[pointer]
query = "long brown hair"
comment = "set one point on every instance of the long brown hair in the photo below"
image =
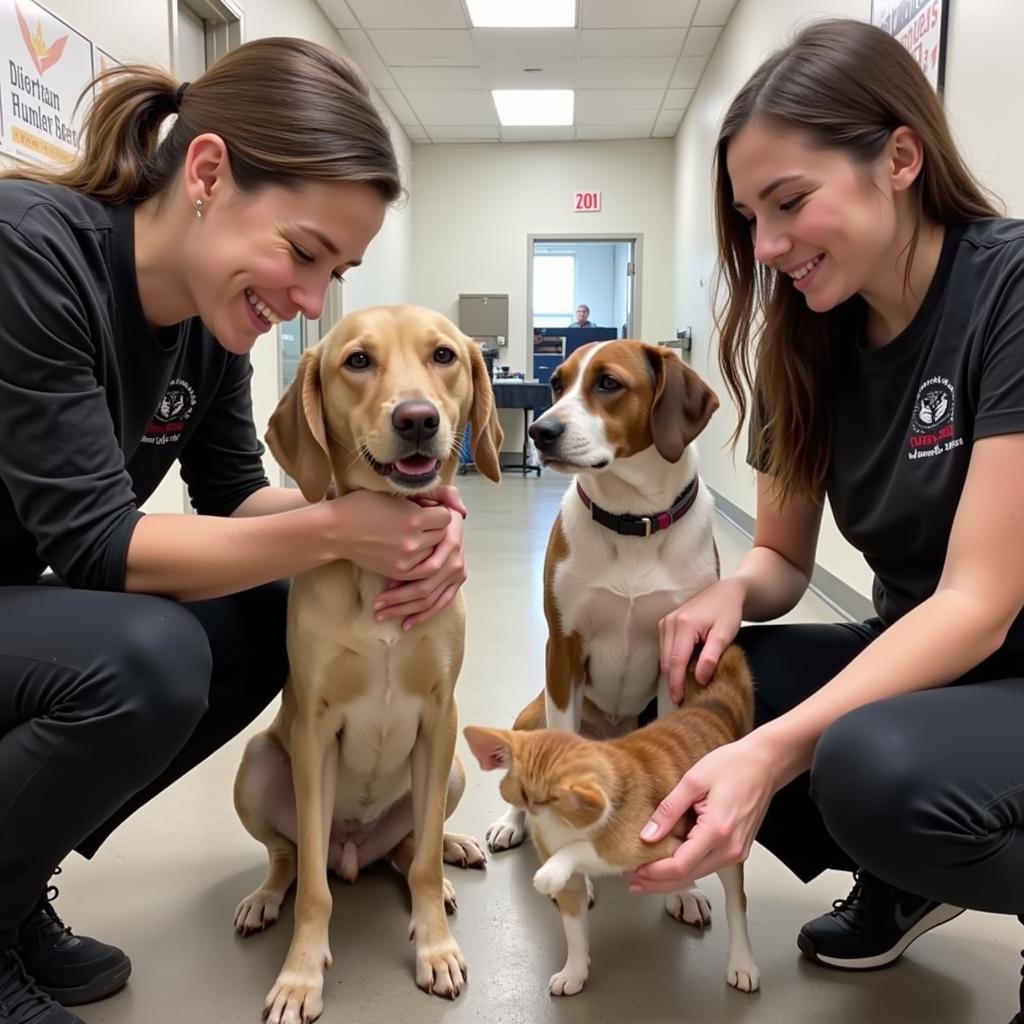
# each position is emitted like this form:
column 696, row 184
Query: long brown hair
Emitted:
column 844, row 85
column 289, row 111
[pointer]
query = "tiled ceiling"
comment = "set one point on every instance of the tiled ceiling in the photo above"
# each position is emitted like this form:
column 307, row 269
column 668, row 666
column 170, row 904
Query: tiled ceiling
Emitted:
column 633, row 63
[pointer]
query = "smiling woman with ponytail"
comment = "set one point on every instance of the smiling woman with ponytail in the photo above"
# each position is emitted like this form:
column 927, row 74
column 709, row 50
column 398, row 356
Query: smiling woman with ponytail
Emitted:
column 135, row 282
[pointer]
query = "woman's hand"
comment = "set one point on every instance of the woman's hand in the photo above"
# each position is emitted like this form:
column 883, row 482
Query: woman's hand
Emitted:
column 443, row 572
column 389, row 535
column 729, row 789
column 713, row 618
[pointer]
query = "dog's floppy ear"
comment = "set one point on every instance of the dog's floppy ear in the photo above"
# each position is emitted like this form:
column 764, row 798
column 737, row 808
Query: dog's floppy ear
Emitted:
column 491, row 747
column 296, row 434
column 483, row 418
column 682, row 406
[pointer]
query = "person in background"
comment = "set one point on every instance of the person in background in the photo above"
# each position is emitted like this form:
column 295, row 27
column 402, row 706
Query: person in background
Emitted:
column 883, row 296
column 582, row 317
column 134, row 285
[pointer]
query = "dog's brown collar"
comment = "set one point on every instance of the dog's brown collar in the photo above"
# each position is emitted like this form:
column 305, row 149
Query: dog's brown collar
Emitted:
column 642, row 526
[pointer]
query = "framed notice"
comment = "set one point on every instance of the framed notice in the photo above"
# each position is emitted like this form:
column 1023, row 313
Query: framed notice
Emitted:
column 46, row 66
column 102, row 61
column 920, row 25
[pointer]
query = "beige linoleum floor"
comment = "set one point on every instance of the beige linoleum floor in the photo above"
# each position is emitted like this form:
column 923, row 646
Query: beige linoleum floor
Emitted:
column 166, row 884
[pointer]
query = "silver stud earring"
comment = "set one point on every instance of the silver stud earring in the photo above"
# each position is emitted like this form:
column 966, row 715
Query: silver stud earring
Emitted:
column 199, row 209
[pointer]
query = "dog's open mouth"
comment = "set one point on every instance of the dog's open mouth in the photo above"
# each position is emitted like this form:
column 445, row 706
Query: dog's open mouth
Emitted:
column 415, row 470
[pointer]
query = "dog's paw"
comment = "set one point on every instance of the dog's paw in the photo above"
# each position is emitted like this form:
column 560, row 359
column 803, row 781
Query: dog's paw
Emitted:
column 567, row 982
column 508, row 831
column 742, row 974
column 257, row 911
column 463, row 851
column 690, row 906
column 296, row 998
column 451, row 904
column 551, row 877
column 441, row 969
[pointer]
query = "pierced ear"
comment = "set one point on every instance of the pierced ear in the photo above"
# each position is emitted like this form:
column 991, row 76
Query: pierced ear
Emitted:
column 586, row 796
column 491, row 747
column 682, row 405
column 296, row 434
column 483, row 418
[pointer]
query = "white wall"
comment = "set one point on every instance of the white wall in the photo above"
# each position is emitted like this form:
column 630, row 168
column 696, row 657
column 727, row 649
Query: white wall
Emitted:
column 476, row 204
column 595, row 285
column 983, row 74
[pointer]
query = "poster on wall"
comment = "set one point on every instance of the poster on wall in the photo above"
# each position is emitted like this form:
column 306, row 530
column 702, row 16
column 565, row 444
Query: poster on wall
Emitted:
column 46, row 65
column 102, row 61
column 920, row 25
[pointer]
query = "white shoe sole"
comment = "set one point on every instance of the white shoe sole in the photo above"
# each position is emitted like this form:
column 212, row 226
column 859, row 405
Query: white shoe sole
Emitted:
column 940, row 915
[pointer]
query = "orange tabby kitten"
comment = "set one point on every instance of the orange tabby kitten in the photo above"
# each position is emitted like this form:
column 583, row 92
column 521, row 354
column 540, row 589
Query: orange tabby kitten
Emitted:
column 587, row 801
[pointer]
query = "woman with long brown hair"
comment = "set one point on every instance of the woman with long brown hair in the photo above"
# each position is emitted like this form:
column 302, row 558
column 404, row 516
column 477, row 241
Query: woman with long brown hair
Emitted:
column 880, row 298
column 134, row 284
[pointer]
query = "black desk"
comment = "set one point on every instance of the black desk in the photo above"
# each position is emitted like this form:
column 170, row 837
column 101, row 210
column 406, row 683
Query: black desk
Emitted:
column 510, row 394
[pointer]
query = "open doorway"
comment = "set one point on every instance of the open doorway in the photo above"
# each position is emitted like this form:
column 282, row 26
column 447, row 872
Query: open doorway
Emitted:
column 574, row 278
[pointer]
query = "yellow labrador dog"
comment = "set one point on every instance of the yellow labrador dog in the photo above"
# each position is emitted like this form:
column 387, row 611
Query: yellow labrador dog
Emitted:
column 360, row 762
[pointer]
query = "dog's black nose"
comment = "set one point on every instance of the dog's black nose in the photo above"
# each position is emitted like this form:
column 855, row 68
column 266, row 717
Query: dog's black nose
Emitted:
column 545, row 432
column 415, row 421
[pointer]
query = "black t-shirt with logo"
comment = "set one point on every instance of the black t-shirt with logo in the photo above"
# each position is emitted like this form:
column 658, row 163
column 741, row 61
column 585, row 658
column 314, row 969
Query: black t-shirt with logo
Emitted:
column 905, row 416
column 95, row 405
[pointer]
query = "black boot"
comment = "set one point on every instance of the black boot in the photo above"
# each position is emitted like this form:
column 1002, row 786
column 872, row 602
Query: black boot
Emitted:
column 70, row 968
column 872, row 927
column 21, row 1002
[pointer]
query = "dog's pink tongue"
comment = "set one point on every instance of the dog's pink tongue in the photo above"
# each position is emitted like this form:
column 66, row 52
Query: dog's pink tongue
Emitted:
column 417, row 465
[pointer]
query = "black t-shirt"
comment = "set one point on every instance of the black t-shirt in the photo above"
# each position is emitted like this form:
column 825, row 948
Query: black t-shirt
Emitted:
column 905, row 416
column 95, row 406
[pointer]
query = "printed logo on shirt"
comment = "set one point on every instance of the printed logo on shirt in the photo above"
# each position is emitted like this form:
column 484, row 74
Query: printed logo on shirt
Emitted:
column 932, row 428
column 172, row 414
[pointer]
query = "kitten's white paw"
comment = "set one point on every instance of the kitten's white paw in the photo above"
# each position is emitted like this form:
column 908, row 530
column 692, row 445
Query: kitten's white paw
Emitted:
column 567, row 982
column 690, row 906
column 551, row 877
column 591, row 899
column 742, row 974
column 508, row 831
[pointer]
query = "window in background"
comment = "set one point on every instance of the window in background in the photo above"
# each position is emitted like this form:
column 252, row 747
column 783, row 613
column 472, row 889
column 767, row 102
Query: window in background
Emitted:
column 554, row 285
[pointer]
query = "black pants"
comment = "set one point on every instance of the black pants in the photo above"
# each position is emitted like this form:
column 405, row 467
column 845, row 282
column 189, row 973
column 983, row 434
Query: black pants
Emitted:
column 924, row 790
column 105, row 700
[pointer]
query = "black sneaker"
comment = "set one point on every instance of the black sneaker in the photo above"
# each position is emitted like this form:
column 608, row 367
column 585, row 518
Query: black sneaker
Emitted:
column 21, row 1002
column 70, row 968
column 872, row 927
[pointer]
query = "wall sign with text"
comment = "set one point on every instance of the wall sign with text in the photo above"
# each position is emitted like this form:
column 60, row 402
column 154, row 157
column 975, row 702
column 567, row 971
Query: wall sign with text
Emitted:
column 46, row 65
column 587, row 202
column 921, row 26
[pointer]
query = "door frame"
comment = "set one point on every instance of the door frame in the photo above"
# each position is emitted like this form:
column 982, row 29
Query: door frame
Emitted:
column 611, row 237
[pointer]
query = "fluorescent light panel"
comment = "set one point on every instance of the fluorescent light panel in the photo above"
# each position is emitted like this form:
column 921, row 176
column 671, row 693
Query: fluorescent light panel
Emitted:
column 533, row 106
column 522, row 13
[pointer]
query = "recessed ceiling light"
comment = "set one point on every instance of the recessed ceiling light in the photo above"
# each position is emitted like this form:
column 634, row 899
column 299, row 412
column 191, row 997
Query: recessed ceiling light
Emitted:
column 522, row 13
column 533, row 106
